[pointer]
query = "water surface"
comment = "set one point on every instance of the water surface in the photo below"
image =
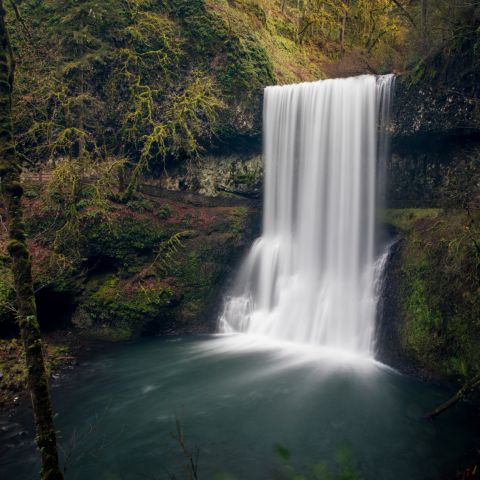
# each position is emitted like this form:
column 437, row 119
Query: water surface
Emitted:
column 238, row 397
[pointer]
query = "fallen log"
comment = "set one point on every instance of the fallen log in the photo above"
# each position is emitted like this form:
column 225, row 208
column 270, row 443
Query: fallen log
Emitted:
column 468, row 388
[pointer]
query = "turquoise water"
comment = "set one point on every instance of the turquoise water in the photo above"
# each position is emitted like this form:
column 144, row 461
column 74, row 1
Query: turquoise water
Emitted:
column 237, row 398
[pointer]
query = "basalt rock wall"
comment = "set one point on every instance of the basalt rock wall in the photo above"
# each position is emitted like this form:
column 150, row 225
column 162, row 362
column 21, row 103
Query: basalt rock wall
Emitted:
column 435, row 134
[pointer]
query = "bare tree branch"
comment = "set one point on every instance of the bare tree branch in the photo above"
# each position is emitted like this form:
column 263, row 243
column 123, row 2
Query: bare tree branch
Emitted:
column 405, row 12
column 468, row 388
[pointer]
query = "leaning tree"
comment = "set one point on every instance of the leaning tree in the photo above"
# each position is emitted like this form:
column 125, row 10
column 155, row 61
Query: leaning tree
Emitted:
column 11, row 191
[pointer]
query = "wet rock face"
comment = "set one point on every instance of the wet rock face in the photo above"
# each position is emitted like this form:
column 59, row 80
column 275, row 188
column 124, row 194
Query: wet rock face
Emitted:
column 433, row 131
column 212, row 176
column 427, row 110
column 422, row 173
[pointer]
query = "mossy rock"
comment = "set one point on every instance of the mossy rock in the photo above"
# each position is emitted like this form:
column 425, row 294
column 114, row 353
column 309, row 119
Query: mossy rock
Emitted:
column 440, row 293
column 403, row 219
column 117, row 309
column 123, row 239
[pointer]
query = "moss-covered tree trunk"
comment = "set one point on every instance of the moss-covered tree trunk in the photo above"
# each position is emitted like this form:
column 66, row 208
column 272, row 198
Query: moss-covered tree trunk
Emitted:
column 11, row 191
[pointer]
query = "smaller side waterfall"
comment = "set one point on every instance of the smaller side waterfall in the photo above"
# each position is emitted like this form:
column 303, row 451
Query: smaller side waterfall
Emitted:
column 311, row 277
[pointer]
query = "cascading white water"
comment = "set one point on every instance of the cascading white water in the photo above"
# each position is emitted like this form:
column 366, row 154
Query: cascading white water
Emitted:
column 311, row 277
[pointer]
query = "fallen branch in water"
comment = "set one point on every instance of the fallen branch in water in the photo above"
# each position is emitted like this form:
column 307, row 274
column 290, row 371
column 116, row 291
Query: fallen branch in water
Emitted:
column 468, row 388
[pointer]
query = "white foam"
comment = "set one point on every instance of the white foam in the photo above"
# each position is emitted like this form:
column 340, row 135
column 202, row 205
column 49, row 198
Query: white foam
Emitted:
column 311, row 279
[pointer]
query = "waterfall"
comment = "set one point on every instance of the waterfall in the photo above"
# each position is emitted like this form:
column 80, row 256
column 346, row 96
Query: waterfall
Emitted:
column 311, row 277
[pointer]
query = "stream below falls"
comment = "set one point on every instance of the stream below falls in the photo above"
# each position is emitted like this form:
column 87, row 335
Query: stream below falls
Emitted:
column 238, row 397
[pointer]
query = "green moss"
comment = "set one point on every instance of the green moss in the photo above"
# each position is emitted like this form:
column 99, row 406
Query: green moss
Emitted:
column 202, row 263
column 122, row 239
column 237, row 220
column 440, row 292
column 31, row 191
column 136, row 273
column 253, row 9
column 12, row 367
column 163, row 212
column 247, row 178
column 422, row 321
column 404, row 219
column 246, row 66
column 141, row 205
column 197, row 275
column 13, row 378
column 276, row 34
column 117, row 309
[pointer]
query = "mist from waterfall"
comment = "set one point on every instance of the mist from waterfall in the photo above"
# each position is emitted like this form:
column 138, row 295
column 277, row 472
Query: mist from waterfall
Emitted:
column 312, row 277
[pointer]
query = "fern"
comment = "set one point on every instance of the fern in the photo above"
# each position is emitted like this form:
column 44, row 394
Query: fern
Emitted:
column 168, row 251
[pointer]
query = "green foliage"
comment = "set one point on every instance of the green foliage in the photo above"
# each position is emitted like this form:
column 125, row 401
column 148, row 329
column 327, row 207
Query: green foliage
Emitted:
column 13, row 380
column 129, row 79
column 141, row 204
column 189, row 115
column 167, row 252
column 241, row 64
column 404, row 219
column 30, row 191
column 282, row 452
column 12, row 366
column 237, row 221
column 423, row 321
column 344, row 469
column 197, row 275
column 248, row 67
column 321, row 20
column 368, row 27
column 443, row 46
column 163, row 212
column 76, row 186
column 155, row 81
column 440, row 293
column 266, row 46
column 122, row 241
column 14, row 372
column 132, row 271
column 7, row 297
column 119, row 309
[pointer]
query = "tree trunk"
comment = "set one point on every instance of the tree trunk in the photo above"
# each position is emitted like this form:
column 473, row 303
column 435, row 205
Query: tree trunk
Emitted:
column 342, row 34
column 424, row 22
column 12, row 191
column 127, row 193
column 343, row 26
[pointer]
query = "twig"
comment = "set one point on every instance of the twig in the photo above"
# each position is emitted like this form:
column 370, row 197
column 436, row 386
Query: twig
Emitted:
column 20, row 19
column 405, row 12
